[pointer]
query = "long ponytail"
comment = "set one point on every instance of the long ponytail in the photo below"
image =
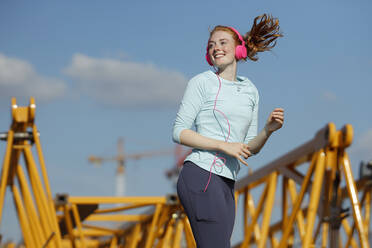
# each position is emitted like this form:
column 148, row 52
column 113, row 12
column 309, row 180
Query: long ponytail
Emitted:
column 262, row 36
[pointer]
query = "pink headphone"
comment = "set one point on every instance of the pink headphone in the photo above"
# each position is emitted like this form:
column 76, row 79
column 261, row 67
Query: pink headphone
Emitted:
column 240, row 50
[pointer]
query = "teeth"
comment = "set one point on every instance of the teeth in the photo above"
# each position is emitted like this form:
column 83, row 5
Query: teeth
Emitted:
column 218, row 55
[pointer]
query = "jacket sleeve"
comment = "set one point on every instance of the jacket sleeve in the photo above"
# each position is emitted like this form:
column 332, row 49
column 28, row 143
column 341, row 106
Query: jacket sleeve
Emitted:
column 190, row 106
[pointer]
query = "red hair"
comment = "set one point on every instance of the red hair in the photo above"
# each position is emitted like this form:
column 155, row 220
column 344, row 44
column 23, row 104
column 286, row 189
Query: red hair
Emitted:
column 262, row 36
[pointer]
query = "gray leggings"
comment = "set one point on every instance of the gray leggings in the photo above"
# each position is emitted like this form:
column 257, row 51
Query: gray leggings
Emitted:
column 211, row 213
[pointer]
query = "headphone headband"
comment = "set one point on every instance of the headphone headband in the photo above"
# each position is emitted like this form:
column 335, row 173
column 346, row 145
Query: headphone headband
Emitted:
column 239, row 36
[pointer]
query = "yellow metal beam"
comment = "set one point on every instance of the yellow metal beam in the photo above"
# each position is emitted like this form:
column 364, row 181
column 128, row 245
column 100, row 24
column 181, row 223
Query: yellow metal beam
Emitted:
column 119, row 218
column 78, row 225
column 5, row 170
column 117, row 200
column 353, row 194
column 268, row 209
column 314, row 200
column 35, row 227
column 153, row 227
column 22, row 215
column 296, row 207
column 43, row 169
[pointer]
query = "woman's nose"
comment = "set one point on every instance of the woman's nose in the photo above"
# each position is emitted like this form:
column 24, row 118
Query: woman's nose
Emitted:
column 216, row 48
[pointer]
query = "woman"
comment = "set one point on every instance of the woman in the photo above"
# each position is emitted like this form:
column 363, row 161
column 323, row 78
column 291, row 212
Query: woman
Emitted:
column 223, row 107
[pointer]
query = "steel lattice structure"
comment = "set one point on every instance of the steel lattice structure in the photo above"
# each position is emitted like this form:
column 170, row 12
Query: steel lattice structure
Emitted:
column 313, row 181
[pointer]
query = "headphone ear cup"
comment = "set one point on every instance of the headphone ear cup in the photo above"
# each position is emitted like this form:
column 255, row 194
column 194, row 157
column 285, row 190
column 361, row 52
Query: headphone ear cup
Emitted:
column 208, row 59
column 240, row 52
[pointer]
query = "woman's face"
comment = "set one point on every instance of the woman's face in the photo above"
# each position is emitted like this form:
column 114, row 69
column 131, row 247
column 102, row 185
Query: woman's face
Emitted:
column 221, row 49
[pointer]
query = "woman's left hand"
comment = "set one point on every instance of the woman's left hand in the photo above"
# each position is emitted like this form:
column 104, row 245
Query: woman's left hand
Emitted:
column 275, row 120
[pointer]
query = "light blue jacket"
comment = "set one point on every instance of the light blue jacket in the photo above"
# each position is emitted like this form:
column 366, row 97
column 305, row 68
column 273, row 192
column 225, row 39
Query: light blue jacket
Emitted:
column 239, row 103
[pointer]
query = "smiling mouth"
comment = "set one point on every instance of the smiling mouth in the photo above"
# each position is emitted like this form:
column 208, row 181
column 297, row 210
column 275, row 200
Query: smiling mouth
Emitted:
column 216, row 56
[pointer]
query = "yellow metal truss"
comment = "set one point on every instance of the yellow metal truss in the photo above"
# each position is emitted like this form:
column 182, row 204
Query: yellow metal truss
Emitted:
column 32, row 198
column 316, row 180
column 319, row 219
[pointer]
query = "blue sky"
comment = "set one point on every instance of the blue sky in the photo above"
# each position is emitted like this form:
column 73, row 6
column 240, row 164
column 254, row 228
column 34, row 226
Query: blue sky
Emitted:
column 100, row 70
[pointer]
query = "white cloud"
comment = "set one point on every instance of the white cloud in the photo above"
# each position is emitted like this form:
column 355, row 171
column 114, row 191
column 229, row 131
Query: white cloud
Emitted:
column 19, row 79
column 125, row 83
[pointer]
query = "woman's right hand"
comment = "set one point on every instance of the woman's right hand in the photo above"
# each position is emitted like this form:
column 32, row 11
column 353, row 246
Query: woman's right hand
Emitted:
column 236, row 150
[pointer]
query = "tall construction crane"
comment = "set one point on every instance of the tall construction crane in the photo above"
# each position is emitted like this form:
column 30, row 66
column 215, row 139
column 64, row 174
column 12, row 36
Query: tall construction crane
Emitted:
column 121, row 159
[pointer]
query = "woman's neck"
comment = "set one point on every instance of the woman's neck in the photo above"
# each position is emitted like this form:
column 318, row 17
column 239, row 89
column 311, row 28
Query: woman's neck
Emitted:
column 228, row 73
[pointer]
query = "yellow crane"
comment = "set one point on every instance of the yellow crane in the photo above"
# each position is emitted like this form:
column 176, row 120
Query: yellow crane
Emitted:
column 314, row 182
